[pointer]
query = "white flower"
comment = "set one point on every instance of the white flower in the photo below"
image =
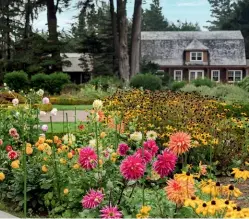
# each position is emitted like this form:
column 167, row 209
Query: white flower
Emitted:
column 68, row 137
column 36, row 127
column 92, row 142
column 151, row 135
column 97, row 104
column 44, row 128
column 45, row 100
column 17, row 114
column 136, row 136
column 40, row 92
column 42, row 113
column 4, row 84
column 15, row 102
column 54, row 112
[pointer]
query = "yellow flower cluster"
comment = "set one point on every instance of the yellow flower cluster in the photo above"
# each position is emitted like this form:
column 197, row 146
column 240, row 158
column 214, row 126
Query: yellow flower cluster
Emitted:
column 144, row 212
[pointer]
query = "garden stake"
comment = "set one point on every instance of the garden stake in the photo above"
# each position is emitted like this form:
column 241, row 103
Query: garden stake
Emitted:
column 25, row 180
column 97, row 145
column 75, row 121
column 63, row 121
column 55, row 164
column 67, row 125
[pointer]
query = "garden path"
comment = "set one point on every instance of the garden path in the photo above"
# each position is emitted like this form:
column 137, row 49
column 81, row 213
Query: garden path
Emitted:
column 6, row 215
column 80, row 116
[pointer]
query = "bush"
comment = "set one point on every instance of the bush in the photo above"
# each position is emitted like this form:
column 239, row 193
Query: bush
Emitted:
column 71, row 101
column 106, row 82
column 203, row 82
column 56, row 82
column 40, row 81
column 177, row 85
column 43, row 107
column 146, row 81
column 17, row 80
column 244, row 84
column 6, row 97
column 70, row 88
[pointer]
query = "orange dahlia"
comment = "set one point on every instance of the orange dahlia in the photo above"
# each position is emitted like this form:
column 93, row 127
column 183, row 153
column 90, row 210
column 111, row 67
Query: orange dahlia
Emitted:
column 178, row 191
column 179, row 142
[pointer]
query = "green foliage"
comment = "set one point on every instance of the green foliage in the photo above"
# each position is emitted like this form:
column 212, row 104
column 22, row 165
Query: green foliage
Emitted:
column 244, row 84
column 146, row 81
column 177, row 85
column 149, row 67
column 106, row 82
column 56, row 82
column 17, row 80
column 40, row 81
column 70, row 88
column 203, row 82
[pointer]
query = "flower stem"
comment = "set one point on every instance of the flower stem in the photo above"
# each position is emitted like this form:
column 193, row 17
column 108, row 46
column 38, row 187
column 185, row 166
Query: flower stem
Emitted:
column 75, row 119
column 121, row 194
column 25, row 180
column 55, row 163
column 97, row 146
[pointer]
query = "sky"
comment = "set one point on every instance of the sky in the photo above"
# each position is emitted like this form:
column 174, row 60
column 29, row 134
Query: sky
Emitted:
column 173, row 10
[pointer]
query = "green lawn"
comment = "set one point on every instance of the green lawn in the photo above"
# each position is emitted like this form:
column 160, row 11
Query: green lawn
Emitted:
column 58, row 127
column 72, row 107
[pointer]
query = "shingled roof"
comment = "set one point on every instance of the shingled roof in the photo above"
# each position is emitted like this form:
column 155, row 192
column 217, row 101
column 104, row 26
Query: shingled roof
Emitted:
column 226, row 48
column 196, row 45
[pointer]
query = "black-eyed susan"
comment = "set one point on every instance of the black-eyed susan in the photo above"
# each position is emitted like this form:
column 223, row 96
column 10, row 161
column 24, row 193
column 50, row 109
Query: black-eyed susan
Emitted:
column 240, row 173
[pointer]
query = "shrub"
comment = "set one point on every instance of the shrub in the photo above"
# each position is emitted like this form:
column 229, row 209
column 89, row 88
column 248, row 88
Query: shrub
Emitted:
column 43, row 107
column 7, row 97
column 203, row 82
column 146, row 81
column 244, row 84
column 40, row 81
column 71, row 101
column 106, row 82
column 17, row 80
column 70, row 88
column 56, row 82
column 177, row 85
column 189, row 88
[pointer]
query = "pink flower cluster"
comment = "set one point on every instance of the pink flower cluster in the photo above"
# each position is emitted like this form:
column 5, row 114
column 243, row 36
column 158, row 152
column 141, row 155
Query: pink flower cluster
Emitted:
column 13, row 133
column 88, row 158
column 92, row 199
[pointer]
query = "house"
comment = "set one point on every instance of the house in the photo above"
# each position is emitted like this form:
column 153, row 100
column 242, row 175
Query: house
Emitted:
column 78, row 72
column 188, row 55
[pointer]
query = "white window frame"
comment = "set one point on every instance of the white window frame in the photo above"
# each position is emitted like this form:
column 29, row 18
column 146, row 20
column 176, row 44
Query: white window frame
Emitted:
column 175, row 74
column 196, row 73
column 191, row 54
column 233, row 81
column 212, row 75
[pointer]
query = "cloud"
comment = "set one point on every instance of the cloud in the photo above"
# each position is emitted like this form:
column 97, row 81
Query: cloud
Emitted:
column 191, row 3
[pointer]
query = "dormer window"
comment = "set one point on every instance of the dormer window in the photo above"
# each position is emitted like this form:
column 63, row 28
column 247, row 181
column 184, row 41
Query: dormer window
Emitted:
column 196, row 56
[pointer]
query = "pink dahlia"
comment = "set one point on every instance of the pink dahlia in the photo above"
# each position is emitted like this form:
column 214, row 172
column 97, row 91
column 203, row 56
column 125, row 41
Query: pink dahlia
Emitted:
column 88, row 158
column 132, row 168
column 12, row 132
column 92, row 199
column 122, row 149
column 165, row 163
column 144, row 154
column 12, row 155
column 110, row 212
column 179, row 142
column 1, row 142
column 151, row 146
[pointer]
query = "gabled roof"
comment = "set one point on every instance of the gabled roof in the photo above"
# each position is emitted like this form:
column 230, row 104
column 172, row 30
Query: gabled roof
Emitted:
column 195, row 45
column 167, row 48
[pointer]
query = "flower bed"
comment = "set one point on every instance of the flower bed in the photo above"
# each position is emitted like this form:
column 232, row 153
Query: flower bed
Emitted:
column 113, row 167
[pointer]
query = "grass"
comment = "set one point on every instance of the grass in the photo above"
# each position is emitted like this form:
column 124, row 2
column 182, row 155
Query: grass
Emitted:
column 58, row 127
column 72, row 107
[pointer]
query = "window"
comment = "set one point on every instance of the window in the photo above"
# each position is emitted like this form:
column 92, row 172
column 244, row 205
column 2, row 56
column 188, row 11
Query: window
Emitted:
column 194, row 74
column 178, row 75
column 196, row 56
column 215, row 75
column 234, row 75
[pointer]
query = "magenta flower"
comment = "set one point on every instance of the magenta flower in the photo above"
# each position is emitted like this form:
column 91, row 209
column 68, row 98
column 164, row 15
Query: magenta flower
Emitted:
column 132, row 168
column 12, row 155
column 151, row 146
column 110, row 212
column 165, row 163
column 122, row 149
column 92, row 199
column 88, row 158
column 144, row 154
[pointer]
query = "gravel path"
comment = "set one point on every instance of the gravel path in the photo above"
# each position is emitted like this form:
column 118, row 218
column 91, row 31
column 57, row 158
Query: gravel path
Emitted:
column 6, row 215
column 80, row 116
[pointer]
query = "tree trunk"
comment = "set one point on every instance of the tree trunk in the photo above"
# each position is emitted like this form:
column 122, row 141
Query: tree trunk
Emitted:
column 123, row 42
column 115, row 36
column 8, row 33
column 53, row 34
column 136, row 38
